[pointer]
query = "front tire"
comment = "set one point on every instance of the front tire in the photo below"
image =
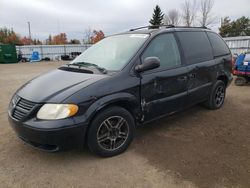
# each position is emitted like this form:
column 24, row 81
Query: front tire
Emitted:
column 111, row 132
column 217, row 96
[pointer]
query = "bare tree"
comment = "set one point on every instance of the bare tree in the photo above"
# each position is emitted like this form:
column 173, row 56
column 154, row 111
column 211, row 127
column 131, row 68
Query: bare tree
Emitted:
column 189, row 9
column 87, row 35
column 206, row 7
column 172, row 17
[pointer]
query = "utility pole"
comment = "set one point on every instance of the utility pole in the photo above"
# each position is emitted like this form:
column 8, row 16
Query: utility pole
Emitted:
column 29, row 31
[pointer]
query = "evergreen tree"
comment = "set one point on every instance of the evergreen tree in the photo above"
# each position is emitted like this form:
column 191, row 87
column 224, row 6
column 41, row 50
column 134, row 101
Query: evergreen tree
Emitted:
column 50, row 39
column 239, row 27
column 157, row 17
column 225, row 27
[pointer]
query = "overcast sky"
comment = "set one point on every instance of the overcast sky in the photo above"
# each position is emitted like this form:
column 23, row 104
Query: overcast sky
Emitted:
column 111, row 16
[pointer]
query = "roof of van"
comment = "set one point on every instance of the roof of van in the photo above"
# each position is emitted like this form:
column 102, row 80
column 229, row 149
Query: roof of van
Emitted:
column 152, row 29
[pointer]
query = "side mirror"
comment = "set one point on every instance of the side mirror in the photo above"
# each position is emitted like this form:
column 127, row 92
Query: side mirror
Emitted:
column 149, row 63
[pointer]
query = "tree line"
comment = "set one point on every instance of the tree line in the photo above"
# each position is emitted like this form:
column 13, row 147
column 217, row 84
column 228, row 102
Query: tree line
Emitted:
column 193, row 14
column 238, row 27
column 190, row 14
column 9, row 36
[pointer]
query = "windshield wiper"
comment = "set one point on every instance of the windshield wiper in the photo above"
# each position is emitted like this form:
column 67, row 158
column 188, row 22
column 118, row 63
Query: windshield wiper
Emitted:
column 85, row 64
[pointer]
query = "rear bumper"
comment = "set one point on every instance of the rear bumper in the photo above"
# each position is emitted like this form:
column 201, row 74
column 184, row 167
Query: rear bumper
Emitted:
column 230, row 79
column 50, row 139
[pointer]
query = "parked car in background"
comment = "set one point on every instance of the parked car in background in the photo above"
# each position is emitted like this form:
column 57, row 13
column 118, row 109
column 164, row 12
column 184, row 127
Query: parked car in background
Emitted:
column 241, row 69
column 121, row 82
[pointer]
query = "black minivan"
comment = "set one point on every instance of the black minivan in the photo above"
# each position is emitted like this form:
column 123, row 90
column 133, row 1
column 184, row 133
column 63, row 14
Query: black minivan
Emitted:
column 123, row 81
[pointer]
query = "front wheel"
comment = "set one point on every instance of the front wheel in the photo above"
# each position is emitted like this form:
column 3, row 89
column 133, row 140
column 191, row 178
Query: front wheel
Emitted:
column 111, row 132
column 240, row 81
column 217, row 96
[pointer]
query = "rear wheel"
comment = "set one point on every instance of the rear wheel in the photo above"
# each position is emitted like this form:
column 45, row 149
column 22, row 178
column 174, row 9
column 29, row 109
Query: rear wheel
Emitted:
column 217, row 96
column 240, row 81
column 111, row 132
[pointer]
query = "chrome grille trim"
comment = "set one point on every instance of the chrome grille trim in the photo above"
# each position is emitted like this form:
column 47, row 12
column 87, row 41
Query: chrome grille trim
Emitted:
column 21, row 108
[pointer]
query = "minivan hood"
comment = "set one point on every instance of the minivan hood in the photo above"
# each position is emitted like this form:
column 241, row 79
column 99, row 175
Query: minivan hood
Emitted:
column 56, row 85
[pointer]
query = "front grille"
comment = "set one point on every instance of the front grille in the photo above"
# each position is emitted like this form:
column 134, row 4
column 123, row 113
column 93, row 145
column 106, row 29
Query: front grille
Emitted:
column 15, row 99
column 21, row 108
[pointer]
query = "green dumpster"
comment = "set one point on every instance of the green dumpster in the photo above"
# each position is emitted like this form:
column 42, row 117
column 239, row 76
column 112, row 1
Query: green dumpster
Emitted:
column 8, row 53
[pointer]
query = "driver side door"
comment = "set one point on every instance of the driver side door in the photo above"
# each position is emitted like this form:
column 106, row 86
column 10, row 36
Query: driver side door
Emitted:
column 164, row 89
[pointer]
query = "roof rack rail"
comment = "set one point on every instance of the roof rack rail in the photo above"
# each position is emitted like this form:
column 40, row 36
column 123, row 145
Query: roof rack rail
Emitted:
column 166, row 26
column 202, row 27
column 152, row 27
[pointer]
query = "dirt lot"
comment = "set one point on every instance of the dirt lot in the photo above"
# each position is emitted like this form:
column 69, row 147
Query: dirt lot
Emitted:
column 196, row 148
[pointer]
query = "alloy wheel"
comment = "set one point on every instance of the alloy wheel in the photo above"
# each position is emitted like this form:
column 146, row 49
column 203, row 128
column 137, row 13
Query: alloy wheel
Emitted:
column 112, row 133
column 219, row 96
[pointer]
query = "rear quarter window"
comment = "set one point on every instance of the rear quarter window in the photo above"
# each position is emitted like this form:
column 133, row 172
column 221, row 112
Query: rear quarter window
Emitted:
column 196, row 46
column 219, row 46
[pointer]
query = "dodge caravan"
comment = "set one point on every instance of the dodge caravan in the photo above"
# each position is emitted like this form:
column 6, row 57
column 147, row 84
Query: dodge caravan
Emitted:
column 123, row 81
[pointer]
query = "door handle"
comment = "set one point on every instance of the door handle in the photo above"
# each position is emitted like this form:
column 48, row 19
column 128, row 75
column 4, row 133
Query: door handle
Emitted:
column 183, row 78
column 192, row 75
column 224, row 60
column 196, row 67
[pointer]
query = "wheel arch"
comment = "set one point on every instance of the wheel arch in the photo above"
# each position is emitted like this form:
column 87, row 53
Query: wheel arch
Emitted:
column 224, row 79
column 125, row 100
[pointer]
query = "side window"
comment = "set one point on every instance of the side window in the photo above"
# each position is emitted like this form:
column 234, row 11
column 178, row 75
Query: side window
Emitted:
column 218, row 44
column 196, row 46
column 165, row 48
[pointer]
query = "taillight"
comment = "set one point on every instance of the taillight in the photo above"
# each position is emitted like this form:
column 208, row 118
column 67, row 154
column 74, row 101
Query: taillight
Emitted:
column 233, row 61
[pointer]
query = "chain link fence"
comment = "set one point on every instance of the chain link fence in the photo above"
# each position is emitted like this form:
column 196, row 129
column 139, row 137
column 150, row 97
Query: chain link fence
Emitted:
column 238, row 45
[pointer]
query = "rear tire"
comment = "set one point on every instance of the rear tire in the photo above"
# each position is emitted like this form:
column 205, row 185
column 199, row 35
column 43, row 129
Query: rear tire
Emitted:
column 111, row 132
column 240, row 81
column 217, row 96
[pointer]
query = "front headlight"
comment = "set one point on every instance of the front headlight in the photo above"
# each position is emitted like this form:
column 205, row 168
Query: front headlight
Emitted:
column 56, row 111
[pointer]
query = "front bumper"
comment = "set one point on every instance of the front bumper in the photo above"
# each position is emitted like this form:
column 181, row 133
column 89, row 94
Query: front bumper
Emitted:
column 50, row 139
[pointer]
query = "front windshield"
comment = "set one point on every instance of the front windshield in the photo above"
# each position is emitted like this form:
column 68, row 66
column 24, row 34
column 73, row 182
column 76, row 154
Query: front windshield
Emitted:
column 112, row 53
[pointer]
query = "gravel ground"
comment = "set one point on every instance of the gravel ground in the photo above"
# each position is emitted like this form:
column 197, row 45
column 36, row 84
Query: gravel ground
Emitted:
column 195, row 148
